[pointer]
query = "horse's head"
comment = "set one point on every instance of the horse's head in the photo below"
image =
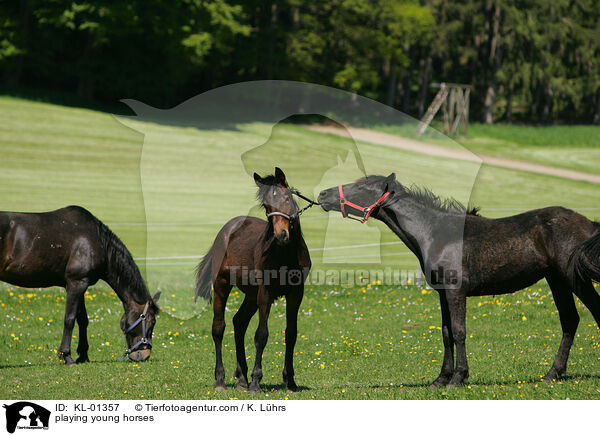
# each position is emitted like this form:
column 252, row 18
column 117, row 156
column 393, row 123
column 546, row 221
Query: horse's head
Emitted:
column 137, row 324
column 281, row 208
column 360, row 198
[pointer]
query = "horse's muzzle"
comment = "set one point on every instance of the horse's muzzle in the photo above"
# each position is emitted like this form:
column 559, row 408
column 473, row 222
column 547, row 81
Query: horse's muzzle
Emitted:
column 325, row 201
column 283, row 238
column 139, row 355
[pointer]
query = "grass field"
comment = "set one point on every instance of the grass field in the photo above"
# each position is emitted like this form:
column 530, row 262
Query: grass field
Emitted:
column 372, row 342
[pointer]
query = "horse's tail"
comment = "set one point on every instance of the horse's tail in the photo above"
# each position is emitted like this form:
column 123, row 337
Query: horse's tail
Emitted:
column 585, row 259
column 204, row 276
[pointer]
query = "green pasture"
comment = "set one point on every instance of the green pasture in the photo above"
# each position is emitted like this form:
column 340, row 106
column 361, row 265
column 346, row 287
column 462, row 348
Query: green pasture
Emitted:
column 166, row 191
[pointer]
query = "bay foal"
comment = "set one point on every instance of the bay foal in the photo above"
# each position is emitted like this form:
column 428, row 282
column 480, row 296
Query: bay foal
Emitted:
column 265, row 259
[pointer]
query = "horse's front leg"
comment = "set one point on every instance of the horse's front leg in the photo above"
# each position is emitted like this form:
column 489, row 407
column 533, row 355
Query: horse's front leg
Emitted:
column 448, row 364
column 261, row 336
column 75, row 289
column 82, row 321
column 457, row 304
column 293, row 300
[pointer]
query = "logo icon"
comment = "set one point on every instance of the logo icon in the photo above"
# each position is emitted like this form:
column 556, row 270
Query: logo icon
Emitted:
column 26, row 415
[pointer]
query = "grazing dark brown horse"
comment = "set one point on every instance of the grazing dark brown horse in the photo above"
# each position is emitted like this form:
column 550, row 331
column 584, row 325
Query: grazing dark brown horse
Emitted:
column 71, row 248
column 265, row 260
column 492, row 256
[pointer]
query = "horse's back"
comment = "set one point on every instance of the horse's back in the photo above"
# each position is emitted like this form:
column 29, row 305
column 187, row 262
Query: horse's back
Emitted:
column 70, row 215
column 40, row 249
column 510, row 253
column 553, row 221
column 239, row 238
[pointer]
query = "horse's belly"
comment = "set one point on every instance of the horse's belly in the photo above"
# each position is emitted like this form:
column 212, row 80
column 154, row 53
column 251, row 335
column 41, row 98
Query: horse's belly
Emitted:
column 38, row 280
column 32, row 272
column 506, row 284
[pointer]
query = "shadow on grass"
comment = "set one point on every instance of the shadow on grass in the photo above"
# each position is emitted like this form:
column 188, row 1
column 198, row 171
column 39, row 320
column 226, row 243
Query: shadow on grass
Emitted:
column 530, row 380
column 60, row 364
column 29, row 365
column 265, row 388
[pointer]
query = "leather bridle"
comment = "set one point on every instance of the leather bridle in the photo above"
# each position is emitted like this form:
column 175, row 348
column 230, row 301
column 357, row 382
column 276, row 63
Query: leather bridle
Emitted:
column 293, row 216
column 144, row 340
column 367, row 211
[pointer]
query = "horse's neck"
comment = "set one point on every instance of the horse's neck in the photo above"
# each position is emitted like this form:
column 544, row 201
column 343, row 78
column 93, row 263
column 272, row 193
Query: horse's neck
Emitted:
column 127, row 288
column 412, row 222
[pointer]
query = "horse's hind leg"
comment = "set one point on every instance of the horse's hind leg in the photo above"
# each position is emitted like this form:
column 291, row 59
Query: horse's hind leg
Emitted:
column 240, row 324
column 293, row 301
column 221, row 293
column 82, row 322
column 75, row 289
column 590, row 298
column 260, row 337
column 569, row 320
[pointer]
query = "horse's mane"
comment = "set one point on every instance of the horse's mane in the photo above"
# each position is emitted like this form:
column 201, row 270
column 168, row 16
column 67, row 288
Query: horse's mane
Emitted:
column 121, row 266
column 425, row 197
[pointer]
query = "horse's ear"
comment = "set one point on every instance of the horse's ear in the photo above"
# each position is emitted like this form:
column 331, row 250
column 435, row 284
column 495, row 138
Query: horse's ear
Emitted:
column 258, row 179
column 279, row 176
column 389, row 181
column 156, row 297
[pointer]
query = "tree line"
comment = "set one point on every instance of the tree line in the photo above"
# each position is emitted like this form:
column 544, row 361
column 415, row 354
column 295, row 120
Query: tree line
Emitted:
column 528, row 60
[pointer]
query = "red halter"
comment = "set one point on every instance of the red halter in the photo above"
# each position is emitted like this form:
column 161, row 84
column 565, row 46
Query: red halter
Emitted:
column 367, row 211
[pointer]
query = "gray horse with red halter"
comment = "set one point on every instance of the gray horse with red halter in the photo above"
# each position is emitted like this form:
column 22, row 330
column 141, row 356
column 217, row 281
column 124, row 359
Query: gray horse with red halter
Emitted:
column 483, row 256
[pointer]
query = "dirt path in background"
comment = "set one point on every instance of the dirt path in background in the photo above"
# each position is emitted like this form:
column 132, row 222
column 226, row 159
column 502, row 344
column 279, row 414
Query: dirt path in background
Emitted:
column 380, row 138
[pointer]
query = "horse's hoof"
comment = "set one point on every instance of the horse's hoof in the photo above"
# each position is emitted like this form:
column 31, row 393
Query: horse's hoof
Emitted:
column 437, row 385
column 254, row 389
column 291, row 387
column 69, row 361
column 439, row 382
column 549, row 378
column 552, row 376
column 219, row 388
column 457, row 382
column 82, row 360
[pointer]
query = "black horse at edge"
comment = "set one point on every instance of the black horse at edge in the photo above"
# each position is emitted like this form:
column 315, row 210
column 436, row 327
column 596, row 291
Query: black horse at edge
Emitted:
column 490, row 256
